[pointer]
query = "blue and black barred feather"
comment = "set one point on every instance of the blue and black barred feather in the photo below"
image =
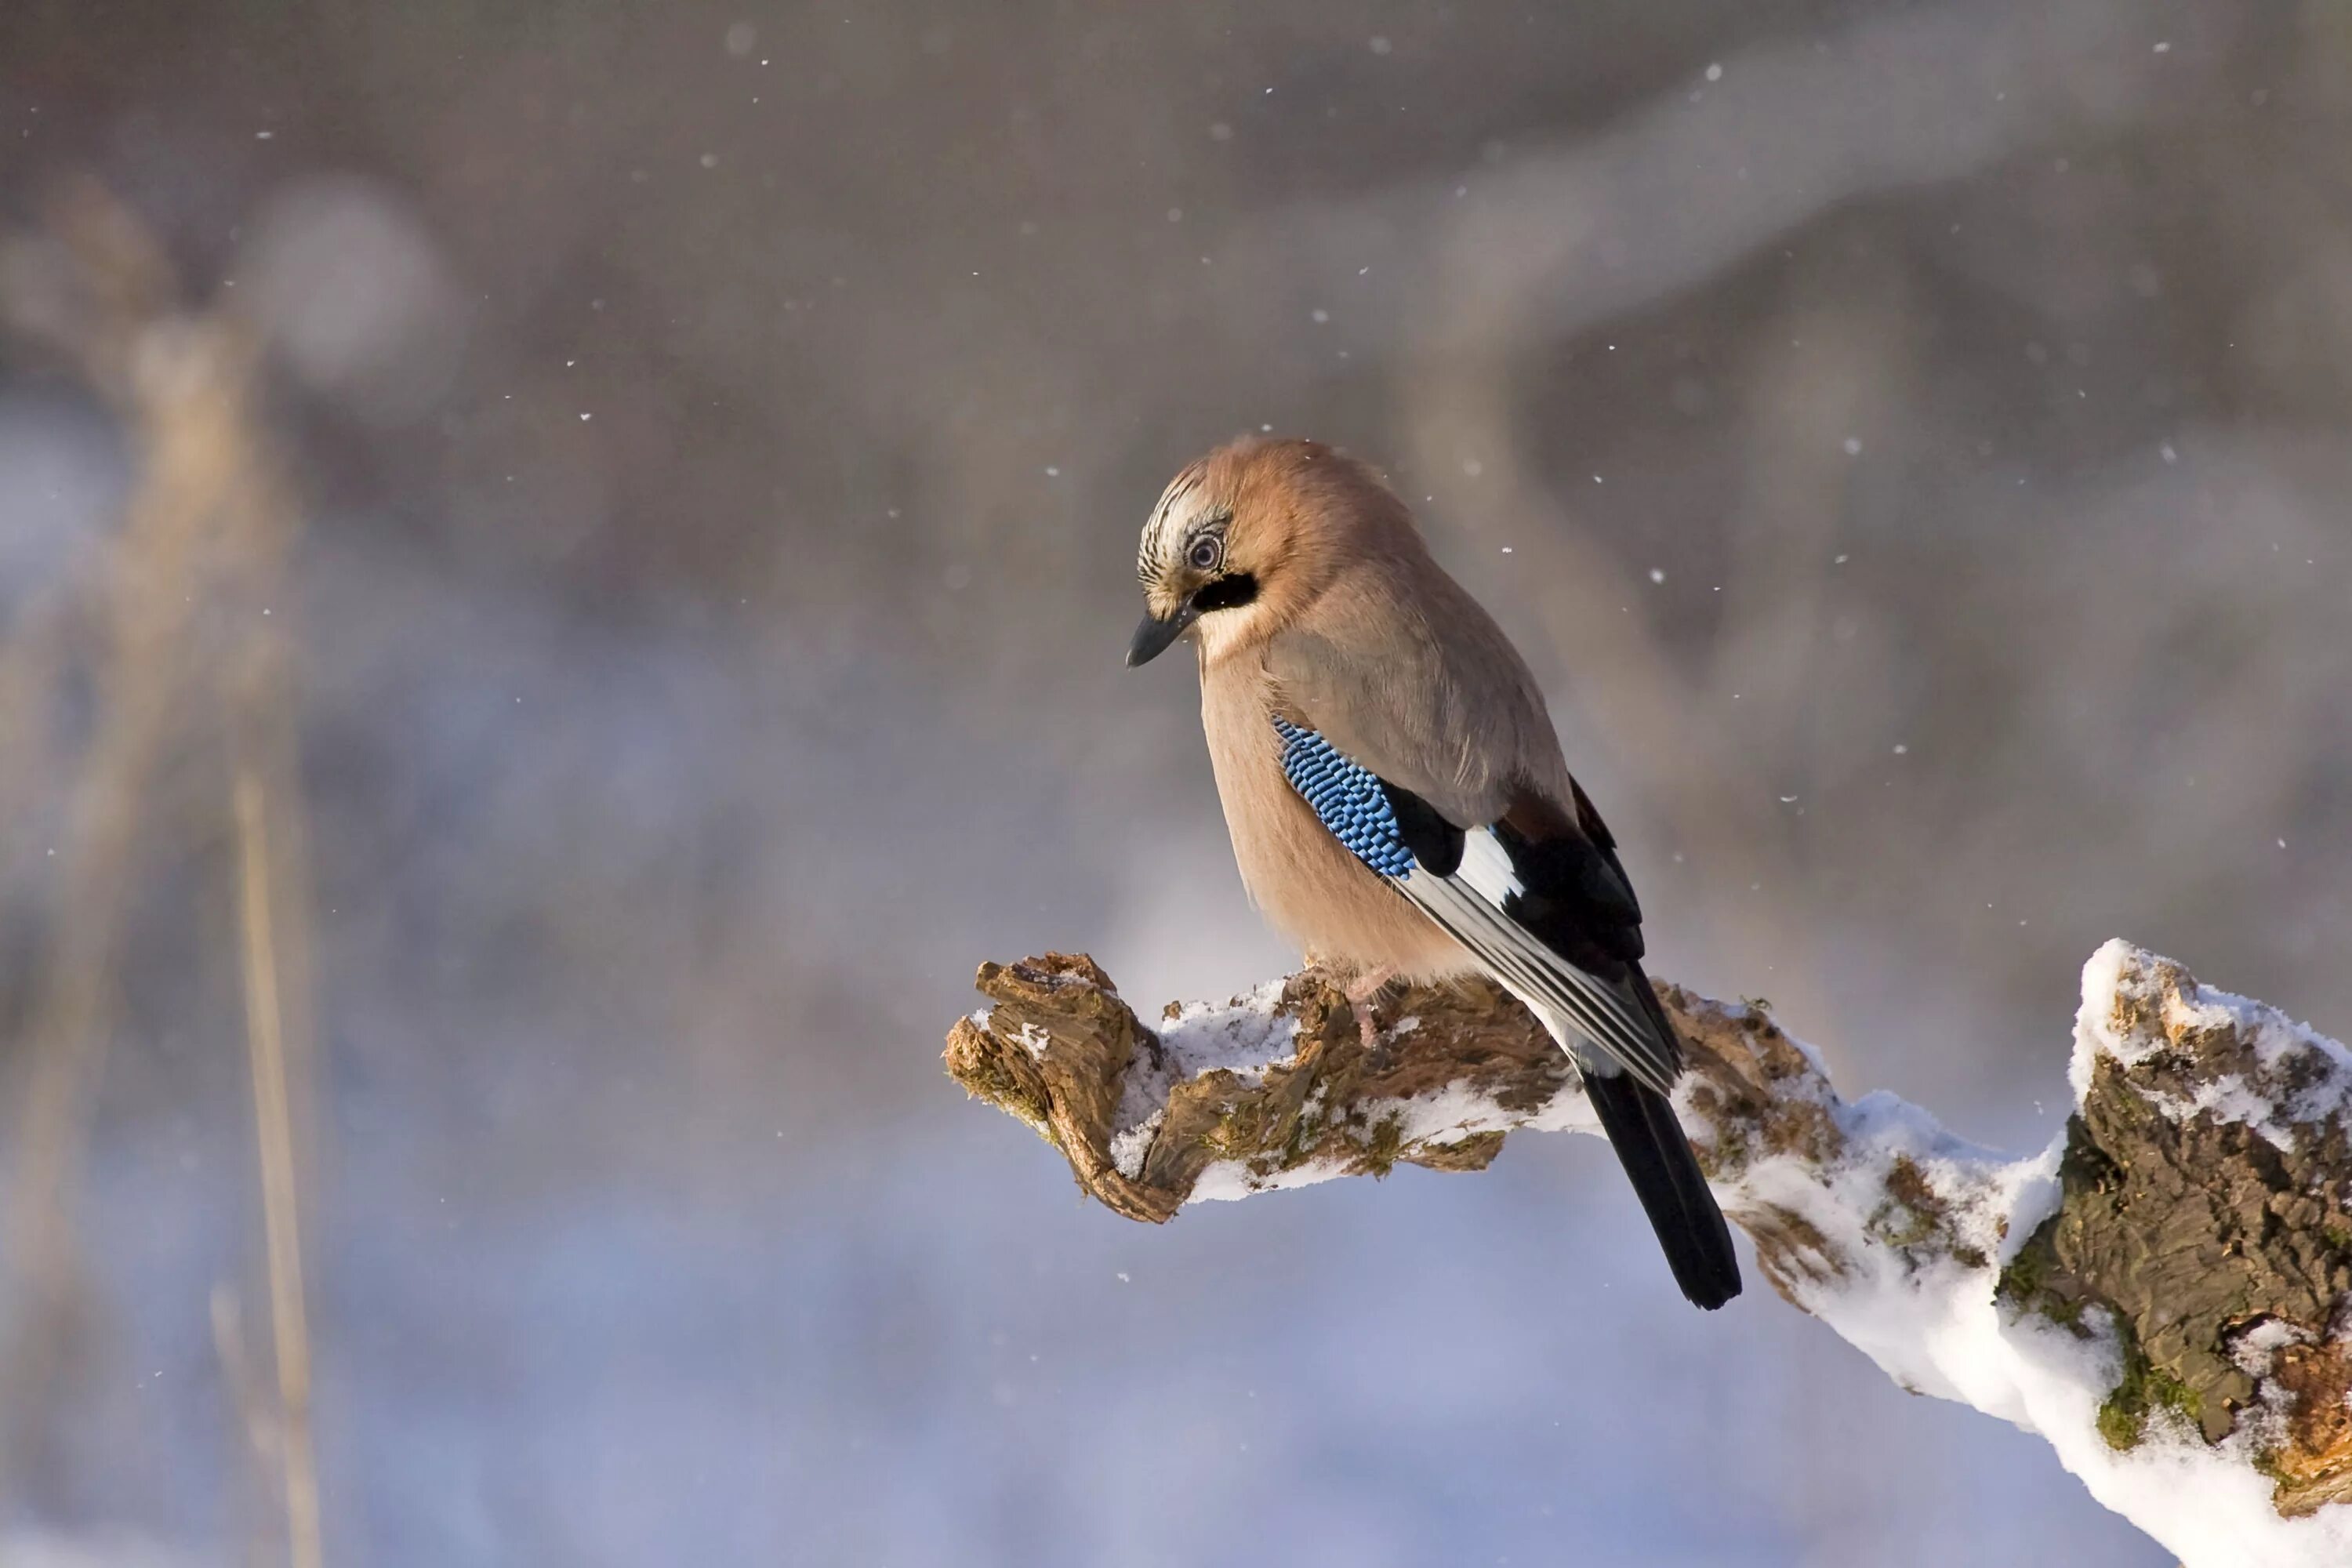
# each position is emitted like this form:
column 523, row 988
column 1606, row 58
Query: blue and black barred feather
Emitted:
column 1347, row 798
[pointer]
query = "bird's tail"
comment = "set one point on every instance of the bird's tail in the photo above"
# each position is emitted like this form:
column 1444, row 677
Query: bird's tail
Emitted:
column 1657, row 1158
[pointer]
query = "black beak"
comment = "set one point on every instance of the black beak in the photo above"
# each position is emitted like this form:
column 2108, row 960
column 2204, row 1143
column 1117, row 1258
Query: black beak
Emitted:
column 1152, row 637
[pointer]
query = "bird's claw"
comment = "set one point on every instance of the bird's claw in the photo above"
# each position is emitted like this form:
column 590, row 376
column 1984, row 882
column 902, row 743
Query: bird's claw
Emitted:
column 1367, row 1032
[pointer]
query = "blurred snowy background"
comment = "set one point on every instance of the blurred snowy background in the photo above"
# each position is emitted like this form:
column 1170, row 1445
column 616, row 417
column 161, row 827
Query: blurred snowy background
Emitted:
column 1910, row 440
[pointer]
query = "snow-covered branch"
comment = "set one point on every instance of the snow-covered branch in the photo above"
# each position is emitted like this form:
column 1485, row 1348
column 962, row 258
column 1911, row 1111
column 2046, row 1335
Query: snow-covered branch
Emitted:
column 2164, row 1293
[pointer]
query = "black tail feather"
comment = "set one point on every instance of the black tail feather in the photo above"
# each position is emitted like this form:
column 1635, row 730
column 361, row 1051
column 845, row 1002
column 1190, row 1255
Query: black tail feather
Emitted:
column 1658, row 1159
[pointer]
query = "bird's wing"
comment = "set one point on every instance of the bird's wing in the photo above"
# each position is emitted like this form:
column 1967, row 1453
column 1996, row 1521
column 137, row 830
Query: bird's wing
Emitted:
column 1412, row 728
column 1543, row 907
column 1414, row 680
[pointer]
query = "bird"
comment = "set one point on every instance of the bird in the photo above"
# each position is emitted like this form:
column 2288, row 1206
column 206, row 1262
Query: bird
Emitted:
column 1397, row 797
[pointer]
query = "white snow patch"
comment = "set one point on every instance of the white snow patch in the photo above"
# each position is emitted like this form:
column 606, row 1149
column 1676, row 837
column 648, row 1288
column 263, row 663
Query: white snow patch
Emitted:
column 2119, row 972
column 2260, row 1345
column 1244, row 1037
column 1228, row 1180
column 1448, row 1115
column 1127, row 1148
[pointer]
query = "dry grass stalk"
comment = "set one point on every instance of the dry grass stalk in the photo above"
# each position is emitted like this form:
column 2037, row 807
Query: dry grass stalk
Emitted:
column 202, row 545
column 274, row 1136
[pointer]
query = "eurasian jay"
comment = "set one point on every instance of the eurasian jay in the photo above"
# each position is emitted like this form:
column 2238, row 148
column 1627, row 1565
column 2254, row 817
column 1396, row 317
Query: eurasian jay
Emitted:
column 1397, row 799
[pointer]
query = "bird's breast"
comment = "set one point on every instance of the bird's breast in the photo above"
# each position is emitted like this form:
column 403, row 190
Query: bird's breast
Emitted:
column 1311, row 888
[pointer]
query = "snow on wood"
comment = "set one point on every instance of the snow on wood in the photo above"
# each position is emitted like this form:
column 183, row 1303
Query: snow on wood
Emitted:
column 2164, row 1293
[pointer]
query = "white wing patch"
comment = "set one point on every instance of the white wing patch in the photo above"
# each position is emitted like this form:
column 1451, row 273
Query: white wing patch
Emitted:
column 1486, row 867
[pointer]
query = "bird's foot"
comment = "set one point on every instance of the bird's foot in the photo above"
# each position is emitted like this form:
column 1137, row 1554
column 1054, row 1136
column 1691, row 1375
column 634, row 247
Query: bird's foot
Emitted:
column 1361, row 994
column 1361, row 987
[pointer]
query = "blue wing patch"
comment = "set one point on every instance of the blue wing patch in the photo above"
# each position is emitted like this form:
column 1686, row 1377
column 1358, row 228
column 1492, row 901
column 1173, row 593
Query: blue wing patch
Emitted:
column 1347, row 798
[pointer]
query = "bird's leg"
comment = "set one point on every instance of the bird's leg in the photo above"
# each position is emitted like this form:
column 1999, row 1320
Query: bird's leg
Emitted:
column 1360, row 987
column 1360, row 993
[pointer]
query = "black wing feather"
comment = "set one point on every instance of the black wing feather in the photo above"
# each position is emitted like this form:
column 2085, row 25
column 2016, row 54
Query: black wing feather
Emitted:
column 1435, row 843
column 1579, row 900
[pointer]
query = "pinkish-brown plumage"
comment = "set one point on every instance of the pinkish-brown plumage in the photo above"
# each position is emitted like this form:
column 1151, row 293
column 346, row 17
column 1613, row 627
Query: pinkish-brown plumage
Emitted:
column 1340, row 661
column 1356, row 633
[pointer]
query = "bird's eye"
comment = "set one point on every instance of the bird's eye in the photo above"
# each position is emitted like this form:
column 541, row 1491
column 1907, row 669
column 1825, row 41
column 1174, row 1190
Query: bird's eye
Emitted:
column 1206, row 552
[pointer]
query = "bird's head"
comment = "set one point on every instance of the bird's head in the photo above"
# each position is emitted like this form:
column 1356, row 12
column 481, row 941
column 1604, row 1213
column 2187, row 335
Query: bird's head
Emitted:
column 1245, row 538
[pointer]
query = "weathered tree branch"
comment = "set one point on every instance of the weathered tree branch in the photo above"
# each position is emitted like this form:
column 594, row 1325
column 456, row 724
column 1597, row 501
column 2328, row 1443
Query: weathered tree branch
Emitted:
column 2165, row 1294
